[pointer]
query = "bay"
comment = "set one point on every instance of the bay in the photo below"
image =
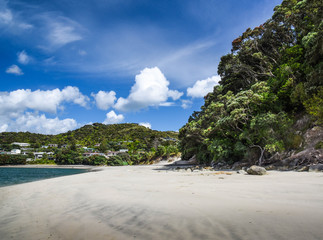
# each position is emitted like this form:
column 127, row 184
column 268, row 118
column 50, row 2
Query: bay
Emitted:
column 17, row 175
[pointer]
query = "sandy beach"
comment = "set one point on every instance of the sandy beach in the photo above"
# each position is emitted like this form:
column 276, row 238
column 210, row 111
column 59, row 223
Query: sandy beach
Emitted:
column 147, row 202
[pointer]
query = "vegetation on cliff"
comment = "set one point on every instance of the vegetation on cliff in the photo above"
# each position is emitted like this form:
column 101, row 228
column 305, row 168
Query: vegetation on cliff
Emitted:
column 272, row 76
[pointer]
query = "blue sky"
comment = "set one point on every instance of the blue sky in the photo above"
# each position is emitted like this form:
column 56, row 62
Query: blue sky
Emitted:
column 67, row 63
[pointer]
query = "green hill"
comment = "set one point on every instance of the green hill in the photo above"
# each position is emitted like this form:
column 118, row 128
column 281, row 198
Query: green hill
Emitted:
column 90, row 135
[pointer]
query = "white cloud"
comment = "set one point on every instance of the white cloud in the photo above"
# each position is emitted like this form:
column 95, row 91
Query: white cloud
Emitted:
column 73, row 94
column 14, row 69
column 145, row 124
column 11, row 21
column 112, row 118
column 174, row 94
column 203, row 87
column 62, row 31
column 6, row 16
column 166, row 104
column 18, row 101
column 23, row 57
column 20, row 109
column 40, row 124
column 150, row 89
column 104, row 100
column 3, row 127
column 186, row 104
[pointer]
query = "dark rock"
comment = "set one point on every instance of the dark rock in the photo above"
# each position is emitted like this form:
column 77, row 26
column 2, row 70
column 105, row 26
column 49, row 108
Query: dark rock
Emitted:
column 239, row 165
column 316, row 168
column 256, row 170
column 313, row 136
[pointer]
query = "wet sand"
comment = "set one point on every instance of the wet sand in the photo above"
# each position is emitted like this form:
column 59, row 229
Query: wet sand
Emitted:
column 146, row 202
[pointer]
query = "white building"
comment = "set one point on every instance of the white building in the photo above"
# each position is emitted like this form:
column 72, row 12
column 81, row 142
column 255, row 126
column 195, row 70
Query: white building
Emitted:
column 15, row 151
column 21, row 144
column 39, row 155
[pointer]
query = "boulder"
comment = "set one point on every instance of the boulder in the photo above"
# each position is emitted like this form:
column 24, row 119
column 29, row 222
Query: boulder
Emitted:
column 256, row 170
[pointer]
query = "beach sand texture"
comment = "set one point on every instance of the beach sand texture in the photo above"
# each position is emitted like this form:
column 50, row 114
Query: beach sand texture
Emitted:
column 144, row 202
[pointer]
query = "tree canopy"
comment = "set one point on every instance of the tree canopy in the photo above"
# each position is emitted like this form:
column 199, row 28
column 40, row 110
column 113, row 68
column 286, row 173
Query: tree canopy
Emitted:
column 272, row 75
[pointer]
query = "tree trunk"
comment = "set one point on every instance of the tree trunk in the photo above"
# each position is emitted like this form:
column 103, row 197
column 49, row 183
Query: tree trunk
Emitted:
column 261, row 153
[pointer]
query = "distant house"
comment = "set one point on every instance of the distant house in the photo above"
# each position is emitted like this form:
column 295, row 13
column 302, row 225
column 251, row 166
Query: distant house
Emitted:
column 44, row 146
column 123, row 150
column 89, row 149
column 89, row 154
column 64, row 146
column 15, row 151
column 53, row 145
column 39, row 155
column 169, row 139
column 21, row 144
column 97, row 145
column 112, row 153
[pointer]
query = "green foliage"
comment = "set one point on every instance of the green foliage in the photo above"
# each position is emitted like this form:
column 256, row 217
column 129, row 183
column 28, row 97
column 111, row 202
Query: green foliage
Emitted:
column 95, row 160
column 67, row 157
column 144, row 145
column 319, row 145
column 42, row 161
column 6, row 159
column 109, row 137
column 273, row 72
column 119, row 160
column 314, row 105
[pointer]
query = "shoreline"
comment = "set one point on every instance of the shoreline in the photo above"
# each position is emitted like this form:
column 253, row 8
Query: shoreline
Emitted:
column 49, row 166
column 149, row 202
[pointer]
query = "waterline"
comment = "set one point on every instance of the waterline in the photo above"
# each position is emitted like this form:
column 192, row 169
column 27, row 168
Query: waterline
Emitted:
column 17, row 175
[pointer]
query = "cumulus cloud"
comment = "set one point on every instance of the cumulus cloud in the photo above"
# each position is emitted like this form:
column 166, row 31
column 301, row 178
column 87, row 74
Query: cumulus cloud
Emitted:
column 145, row 124
column 104, row 100
column 150, row 89
column 203, row 87
column 14, row 69
column 23, row 57
column 112, row 118
column 174, row 94
column 18, row 101
column 20, row 109
column 41, row 124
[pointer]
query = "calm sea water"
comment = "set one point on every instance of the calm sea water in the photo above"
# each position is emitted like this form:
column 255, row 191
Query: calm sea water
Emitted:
column 16, row 175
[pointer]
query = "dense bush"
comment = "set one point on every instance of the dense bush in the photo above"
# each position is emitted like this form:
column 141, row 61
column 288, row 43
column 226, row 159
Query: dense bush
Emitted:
column 95, row 160
column 119, row 160
column 6, row 159
column 272, row 75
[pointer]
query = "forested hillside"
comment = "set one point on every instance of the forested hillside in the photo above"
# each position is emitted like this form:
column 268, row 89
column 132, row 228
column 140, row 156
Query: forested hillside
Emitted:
column 90, row 135
column 271, row 79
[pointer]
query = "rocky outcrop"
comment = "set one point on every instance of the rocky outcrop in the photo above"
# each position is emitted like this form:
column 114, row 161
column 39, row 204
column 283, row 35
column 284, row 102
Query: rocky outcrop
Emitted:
column 310, row 155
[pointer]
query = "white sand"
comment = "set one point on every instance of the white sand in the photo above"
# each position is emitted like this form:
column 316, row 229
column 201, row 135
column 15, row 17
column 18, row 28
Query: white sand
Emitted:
column 139, row 202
